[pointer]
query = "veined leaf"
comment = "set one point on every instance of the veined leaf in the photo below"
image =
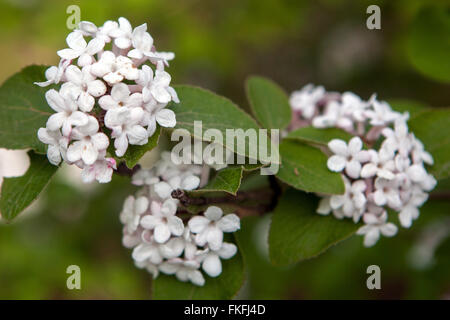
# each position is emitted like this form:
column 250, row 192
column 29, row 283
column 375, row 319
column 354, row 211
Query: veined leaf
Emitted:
column 428, row 45
column 432, row 128
column 269, row 103
column 23, row 110
column 18, row 193
column 318, row 136
column 297, row 232
column 305, row 168
column 216, row 112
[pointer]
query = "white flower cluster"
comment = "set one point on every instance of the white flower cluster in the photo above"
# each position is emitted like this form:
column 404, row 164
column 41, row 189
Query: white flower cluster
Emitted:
column 394, row 176
column 105, row 84
column 161, row 240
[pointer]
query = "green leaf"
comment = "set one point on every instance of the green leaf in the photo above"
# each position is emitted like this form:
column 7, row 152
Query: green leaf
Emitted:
column 305, row 167
column 432, row 128
column 18, row 193
column 215, row 112
column 226, row 180
column 224, row 287
column 318, row 136
column 297, row 232
column 135, row 153
column 428, row 45
column 269, row 103
column 23, row 110
column 404, row 105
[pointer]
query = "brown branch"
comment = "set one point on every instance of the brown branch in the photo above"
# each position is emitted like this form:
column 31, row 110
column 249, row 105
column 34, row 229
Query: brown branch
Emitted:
column 440, row 196
column 235, row 201
column 123, row 170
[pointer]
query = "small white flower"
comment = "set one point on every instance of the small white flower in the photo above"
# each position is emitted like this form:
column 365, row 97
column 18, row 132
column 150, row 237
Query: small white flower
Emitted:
column 324, row 207
column 163, row 220
column 184, row 181
column 123, row 34
column 158, row 86
column 305, row 100
column 89, row 143
column 398, row 139
column 386, row 192
column 352, row 107
column 125, row 128
column 114, row 69
column 410, row 211
column 155, row 113
column 155, row 253
column 381, row 113
column 79, row 48
column 142, row 42
column 101, row 170
column 120, row 97
column 419, row 154
column 210, row 228
column 102, row 33
column 348, row 157
column 54, row 74
column 381, row 165
column 83, row 86
column 57, row 144
column 144, row 177
column 428, row 183
column 352, row 203
column 212, row 264
column 67, row 114
column 132, row 211
column 186, row 269
column 334, row 115
column 150, row 267
column 376, row 225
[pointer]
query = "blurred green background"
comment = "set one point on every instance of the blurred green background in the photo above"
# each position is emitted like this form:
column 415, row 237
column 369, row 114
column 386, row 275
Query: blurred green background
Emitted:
column 217, row 45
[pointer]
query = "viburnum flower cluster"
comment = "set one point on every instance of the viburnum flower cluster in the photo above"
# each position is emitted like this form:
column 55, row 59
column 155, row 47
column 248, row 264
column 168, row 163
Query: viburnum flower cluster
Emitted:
column 391, row 176
column 164, row 242
column 108, row 92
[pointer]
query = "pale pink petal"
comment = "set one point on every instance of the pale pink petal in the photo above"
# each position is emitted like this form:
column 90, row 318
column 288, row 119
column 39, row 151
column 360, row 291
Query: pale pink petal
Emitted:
column 213, row 213
column 338, row 147
column 161, row 233
column 229, row 223
column 198, row 224
column 336, row 163
column 212, row 265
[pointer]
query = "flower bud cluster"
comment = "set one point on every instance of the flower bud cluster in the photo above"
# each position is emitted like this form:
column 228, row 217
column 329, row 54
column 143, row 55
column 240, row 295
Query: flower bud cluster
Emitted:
column 163, row 241
column 391, row 176
column 107, row 92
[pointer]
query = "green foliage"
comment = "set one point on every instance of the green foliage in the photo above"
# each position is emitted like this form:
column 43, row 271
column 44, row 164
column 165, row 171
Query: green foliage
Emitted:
column 269, row 103
column 23, row 110
column 215, row 112
column 318, row 136
column 305, row 168
column 135, row 153
column 404, row 105
column 226, row 286
column 429, row 43
column 226, row 180
column 297, row 232
column 18, row 193
column 432, row 128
